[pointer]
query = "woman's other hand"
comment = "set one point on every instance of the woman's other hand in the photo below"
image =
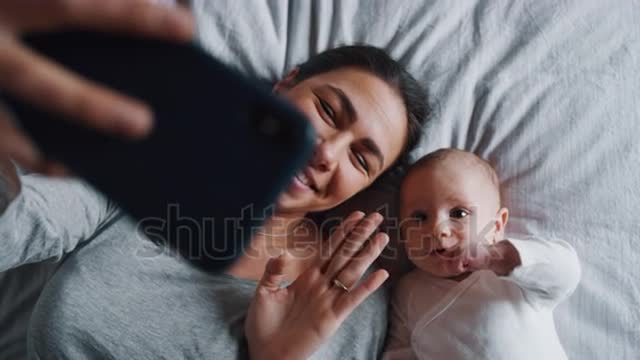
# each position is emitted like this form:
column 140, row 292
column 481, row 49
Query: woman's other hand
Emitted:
column 292, row 322
column 24, row 73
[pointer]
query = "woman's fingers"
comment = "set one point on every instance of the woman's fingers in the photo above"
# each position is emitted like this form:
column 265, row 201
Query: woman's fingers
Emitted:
column 352, row 273
column 15, row 145
column 29, row 76
column 352, row 244
column 131, row 16
column 142, row 17
column 329, row 247
column 25, row 74
column 358, row 264
column 274, row 273
column 347, row 303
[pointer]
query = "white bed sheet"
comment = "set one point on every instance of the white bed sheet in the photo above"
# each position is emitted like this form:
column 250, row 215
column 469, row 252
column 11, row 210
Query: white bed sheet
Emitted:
column 548, row 90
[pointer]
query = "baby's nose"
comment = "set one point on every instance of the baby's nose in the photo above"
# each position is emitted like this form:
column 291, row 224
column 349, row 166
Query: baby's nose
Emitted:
column 444, row 236
column 441, row 230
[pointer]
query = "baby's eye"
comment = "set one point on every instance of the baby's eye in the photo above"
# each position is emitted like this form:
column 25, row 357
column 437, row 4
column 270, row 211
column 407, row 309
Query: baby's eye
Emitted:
column 459, row 213
column 419, row 215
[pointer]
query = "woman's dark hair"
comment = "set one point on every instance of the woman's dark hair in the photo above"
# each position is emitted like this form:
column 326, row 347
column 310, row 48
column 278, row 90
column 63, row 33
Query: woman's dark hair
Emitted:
column 379, row 63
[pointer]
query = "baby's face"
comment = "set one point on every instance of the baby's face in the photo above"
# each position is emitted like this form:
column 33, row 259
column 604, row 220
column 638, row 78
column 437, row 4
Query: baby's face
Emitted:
column 447, row 207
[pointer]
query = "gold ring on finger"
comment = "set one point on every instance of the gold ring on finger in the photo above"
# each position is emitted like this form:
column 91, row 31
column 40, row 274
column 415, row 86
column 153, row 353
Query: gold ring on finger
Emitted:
column 339, row 284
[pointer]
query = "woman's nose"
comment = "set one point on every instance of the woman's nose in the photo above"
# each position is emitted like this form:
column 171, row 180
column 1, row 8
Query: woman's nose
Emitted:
column 328, row 152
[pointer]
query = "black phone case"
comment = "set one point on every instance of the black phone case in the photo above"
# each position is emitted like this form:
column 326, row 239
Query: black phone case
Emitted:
column 221, row 151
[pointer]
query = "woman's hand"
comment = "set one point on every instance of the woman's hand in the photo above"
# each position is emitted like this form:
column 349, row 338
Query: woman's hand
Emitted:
column 26, row 74
column 9, row 184
column 292, row 322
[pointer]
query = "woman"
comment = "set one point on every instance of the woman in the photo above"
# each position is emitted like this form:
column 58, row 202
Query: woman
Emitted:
column 118, row 295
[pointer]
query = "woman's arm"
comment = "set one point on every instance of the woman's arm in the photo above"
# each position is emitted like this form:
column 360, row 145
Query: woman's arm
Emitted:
column 293, row 322
column 48, row 218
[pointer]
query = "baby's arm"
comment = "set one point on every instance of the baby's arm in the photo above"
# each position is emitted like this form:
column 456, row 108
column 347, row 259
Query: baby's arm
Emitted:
column 503, row 258
column 398, row 344
column 547, row 270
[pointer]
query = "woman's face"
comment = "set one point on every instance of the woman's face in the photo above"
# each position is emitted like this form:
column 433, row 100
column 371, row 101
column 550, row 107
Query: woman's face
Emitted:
column 361, row 124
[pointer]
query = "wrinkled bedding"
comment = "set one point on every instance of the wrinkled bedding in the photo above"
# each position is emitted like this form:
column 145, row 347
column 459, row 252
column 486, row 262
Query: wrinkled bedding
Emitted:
column 548, row 90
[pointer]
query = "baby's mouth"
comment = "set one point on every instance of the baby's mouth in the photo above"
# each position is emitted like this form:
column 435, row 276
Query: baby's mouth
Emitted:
column 443, row 253
column 438, row 251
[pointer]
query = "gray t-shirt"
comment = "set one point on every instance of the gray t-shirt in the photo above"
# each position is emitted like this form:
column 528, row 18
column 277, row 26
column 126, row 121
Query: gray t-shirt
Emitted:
column 117, row 295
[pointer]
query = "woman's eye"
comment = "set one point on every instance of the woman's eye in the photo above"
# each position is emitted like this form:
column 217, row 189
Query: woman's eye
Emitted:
column 362, row 161
column 459, row 213
column 419, row 215
column 328, row 110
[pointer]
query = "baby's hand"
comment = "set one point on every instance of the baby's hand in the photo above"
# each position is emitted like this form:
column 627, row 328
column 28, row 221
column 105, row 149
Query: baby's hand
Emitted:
column 501, row 258
column 477, row 256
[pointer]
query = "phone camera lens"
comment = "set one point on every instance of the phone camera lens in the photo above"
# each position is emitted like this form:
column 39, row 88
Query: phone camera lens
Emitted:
column 269, row 126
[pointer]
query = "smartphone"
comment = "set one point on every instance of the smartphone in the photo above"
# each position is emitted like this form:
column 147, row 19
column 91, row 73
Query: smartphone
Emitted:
column 221, row 151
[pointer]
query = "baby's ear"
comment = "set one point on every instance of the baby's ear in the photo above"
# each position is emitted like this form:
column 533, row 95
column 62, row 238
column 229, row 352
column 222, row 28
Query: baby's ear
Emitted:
column 502, row 216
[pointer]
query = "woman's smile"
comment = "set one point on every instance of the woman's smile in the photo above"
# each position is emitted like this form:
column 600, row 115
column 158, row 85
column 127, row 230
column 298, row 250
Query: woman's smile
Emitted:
column 304, row 182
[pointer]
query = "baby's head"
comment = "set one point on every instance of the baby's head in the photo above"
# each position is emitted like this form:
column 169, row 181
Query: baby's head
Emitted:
column 450, row 203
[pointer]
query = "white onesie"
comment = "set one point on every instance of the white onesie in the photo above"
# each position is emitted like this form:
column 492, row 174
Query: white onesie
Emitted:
column 485, row 316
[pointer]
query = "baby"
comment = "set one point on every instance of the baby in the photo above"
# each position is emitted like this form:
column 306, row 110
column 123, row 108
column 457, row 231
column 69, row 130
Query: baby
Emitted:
column 473, row 294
